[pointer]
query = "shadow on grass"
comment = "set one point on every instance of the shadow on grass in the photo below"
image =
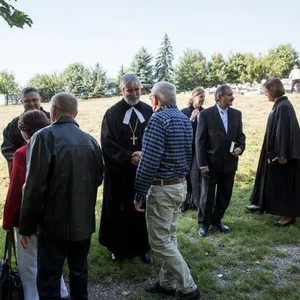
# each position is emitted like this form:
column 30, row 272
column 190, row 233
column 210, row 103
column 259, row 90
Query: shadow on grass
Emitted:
column 231, row 266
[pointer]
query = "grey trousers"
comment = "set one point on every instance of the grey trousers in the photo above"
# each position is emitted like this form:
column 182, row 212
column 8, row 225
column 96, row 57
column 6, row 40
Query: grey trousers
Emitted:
column 162, row 210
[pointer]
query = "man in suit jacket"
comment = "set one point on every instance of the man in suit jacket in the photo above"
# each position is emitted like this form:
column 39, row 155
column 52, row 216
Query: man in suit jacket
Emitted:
column 219, row 141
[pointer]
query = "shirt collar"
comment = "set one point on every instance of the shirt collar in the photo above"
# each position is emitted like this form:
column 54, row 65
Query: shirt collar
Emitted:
column 220, row 109
column 66, row 119
column 170, row 105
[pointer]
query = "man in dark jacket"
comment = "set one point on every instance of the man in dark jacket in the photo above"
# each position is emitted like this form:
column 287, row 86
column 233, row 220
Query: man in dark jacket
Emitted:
column 219, row 141
column 64, row 171
column 12, row 138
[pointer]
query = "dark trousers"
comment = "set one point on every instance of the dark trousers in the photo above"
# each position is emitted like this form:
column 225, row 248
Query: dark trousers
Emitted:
column 51, row 257
column 294, row 82
column 215, row 196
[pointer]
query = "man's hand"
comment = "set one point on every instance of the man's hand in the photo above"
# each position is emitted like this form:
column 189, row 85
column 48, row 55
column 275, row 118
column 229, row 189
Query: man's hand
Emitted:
column 194, row 114
column 204, row 169
column 136, row 157
column 237, row 151
column 138, row 206
column 25, row 240
column 281, row 160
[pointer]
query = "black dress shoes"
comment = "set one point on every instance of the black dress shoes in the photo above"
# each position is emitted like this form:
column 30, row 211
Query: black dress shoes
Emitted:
column 203, row 231
column 158, row 289
column 251, row 208
column 291, row 222
column 222, row 227
column 147, row 258
column 195, row 295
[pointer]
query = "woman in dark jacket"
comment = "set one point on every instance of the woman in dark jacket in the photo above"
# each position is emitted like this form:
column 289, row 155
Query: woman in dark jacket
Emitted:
column 194, row 177
column 277, row 189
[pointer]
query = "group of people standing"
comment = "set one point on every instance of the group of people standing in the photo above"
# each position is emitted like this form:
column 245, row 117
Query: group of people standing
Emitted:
column 156, row 161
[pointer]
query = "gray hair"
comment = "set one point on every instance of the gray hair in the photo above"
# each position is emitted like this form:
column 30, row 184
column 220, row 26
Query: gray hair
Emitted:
column 129, row 79
column 221, row 91
column 66, row 103
column 165, row 92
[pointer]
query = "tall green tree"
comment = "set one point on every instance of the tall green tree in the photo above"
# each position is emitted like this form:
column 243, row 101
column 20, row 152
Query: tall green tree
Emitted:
column 8, row 84
column 280, row 60
column 249, row 74
column 236, row 68
column 76, row 79
column 9, row 87
column 143, row 68
column 216, row 70
column 191, row 70
column 118, row 79
column 98, row 82
column 47, row 84
column 13, row 16
column 164, row 59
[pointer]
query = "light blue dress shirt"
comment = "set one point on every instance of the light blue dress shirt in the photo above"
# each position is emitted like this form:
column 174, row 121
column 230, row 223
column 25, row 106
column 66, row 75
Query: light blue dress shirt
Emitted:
column 224, row 116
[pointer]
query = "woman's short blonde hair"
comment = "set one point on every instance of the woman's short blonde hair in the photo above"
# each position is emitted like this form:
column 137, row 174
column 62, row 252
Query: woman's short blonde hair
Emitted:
column 275, row 87
column 197, row 91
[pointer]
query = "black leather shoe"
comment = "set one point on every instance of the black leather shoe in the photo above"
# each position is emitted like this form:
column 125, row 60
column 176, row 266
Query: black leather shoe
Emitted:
column 291, row 222
column 251, row 208
column 113, row 257
column 147, row 258
column 222, row 227
column 203, row 231
column 195, row 295
column 184, row 207
column 158, row 289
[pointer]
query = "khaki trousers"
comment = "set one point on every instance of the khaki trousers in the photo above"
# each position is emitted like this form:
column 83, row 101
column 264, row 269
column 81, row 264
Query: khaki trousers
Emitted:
column 163, row 203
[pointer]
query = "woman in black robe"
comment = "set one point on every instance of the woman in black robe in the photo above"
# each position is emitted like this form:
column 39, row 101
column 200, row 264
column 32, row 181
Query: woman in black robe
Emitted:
column 277, row 184
column 194, row 176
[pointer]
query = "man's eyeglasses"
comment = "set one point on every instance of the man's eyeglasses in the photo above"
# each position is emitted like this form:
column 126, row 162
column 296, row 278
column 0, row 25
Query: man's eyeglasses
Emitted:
column 31, row 101
column 151, row 97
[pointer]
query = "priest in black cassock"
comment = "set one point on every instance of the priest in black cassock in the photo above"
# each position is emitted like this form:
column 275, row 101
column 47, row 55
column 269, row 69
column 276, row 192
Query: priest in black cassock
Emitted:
column 123, row 230
column 277, row 184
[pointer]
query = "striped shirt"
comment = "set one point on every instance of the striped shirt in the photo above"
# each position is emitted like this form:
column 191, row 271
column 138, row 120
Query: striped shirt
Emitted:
column 166, row 151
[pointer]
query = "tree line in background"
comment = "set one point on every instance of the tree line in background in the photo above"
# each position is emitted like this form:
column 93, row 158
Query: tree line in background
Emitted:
column 192, row 70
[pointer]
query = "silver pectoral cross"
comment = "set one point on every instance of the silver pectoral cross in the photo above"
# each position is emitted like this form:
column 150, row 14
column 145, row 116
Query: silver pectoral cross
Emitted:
column 133, row 138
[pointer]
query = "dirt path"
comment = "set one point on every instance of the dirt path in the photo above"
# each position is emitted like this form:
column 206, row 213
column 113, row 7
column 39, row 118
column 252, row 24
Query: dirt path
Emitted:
column 116, row 289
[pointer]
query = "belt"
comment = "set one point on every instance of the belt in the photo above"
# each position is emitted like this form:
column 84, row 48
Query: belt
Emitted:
column 167, row 181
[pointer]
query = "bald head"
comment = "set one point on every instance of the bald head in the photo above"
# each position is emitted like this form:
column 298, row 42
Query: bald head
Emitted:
column 63, row 104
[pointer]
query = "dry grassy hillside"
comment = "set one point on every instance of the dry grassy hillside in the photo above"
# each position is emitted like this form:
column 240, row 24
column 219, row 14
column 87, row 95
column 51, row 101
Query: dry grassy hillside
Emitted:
column 254, row 261
column 255, row 111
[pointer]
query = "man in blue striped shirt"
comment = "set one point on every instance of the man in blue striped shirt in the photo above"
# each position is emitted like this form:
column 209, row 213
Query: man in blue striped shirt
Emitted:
column 165, row 161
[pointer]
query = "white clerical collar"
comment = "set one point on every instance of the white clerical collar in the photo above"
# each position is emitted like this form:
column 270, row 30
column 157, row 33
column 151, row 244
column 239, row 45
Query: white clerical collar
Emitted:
column 128, row 115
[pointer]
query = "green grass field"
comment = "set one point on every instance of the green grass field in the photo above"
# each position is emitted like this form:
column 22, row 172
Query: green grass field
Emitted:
column 254, row 261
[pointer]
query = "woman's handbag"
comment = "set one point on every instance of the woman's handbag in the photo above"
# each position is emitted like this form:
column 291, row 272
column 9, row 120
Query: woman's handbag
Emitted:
column 10, row 283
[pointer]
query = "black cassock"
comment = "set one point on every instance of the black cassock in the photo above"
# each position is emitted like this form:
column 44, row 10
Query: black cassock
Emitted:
column 277, row 187
column 122, row 229
column 194, row 178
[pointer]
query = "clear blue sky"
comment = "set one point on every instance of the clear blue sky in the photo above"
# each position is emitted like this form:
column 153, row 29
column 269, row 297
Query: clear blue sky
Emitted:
column 112, row 31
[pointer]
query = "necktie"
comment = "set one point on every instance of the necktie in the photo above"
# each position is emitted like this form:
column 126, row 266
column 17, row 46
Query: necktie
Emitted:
column 224, row 120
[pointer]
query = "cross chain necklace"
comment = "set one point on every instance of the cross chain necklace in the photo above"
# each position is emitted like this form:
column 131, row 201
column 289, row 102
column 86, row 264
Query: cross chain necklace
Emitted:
column 133, row 138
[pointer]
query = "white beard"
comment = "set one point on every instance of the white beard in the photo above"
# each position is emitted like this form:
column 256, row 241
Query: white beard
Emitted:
column 130, row 102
